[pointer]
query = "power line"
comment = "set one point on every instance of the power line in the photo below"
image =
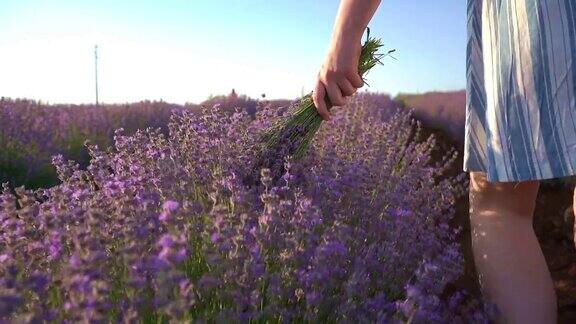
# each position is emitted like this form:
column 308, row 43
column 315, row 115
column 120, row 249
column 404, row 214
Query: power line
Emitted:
column 96, row 70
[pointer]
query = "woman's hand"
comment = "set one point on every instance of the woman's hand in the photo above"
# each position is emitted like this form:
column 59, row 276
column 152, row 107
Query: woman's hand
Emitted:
column 338, row 76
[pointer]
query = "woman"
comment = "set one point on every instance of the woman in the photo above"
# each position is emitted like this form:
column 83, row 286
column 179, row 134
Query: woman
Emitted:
column 520, row 128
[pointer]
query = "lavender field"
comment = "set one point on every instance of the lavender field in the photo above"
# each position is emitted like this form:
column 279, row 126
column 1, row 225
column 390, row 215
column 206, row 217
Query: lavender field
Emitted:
column 32, row 131
column 162, row 225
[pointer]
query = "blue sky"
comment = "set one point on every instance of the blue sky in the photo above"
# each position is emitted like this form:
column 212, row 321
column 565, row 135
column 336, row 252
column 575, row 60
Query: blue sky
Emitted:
column 184, row 50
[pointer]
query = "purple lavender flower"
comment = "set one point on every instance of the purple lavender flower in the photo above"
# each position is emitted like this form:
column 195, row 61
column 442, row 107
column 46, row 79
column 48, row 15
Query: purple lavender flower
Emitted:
column 9, row 304
column 166, row 241
column 170, row 206
column 165, row 226
column 400, row 212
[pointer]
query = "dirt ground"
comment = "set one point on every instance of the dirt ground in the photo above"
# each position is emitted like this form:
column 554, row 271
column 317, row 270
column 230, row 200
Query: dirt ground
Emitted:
column 553, row 225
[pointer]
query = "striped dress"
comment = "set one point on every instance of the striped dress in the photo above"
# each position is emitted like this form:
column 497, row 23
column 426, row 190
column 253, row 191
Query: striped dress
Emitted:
column 521, row 89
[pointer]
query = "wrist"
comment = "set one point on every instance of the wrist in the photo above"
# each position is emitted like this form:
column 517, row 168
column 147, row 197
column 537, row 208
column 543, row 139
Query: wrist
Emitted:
column 346, row 38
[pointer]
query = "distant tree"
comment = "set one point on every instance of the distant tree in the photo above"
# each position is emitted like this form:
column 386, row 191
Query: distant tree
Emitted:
column 401, row 101
column 233, row 95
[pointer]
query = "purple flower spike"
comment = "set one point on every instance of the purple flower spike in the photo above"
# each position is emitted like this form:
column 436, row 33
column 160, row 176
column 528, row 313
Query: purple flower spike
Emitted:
column 181, row 255
column 38, row 282
column 400, row 212
column 4, row 258
column 164, row 216
column 75, row 260
column 215, row 237
column 166, row 241
column 164, row 253
column 9, row 304
column 170, row 206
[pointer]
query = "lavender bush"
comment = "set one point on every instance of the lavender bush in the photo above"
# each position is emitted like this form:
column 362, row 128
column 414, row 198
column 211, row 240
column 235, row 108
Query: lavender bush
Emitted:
column 32, row 132
column 165, row 228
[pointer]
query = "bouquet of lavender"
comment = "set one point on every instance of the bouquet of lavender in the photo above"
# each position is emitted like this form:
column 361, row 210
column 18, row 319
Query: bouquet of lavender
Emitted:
column 291, row 136
column 301, row 126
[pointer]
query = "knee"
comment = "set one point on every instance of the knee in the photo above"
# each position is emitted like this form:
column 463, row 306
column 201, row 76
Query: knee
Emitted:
column 517, row 198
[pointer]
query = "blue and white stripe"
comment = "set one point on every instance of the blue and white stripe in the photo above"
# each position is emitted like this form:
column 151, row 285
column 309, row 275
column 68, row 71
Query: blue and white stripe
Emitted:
column 521, row 95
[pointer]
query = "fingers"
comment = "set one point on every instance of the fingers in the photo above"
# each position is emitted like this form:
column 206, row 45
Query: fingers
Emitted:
column 335, row 86
column 346, row 87
column 355, row 79
column 318, row 98
column 335, row 94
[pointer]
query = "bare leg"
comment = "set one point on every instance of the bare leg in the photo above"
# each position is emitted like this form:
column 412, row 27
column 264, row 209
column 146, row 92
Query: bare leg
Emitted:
column 510, row 263
column 574, row 208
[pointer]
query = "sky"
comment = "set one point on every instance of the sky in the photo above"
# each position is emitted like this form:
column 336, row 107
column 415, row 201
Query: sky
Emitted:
column 186, row 50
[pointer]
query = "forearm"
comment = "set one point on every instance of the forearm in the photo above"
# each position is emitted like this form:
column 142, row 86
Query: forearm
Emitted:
column 352, row 19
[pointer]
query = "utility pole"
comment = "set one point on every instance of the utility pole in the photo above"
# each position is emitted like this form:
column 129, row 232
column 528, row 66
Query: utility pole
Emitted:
column 96, row 70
